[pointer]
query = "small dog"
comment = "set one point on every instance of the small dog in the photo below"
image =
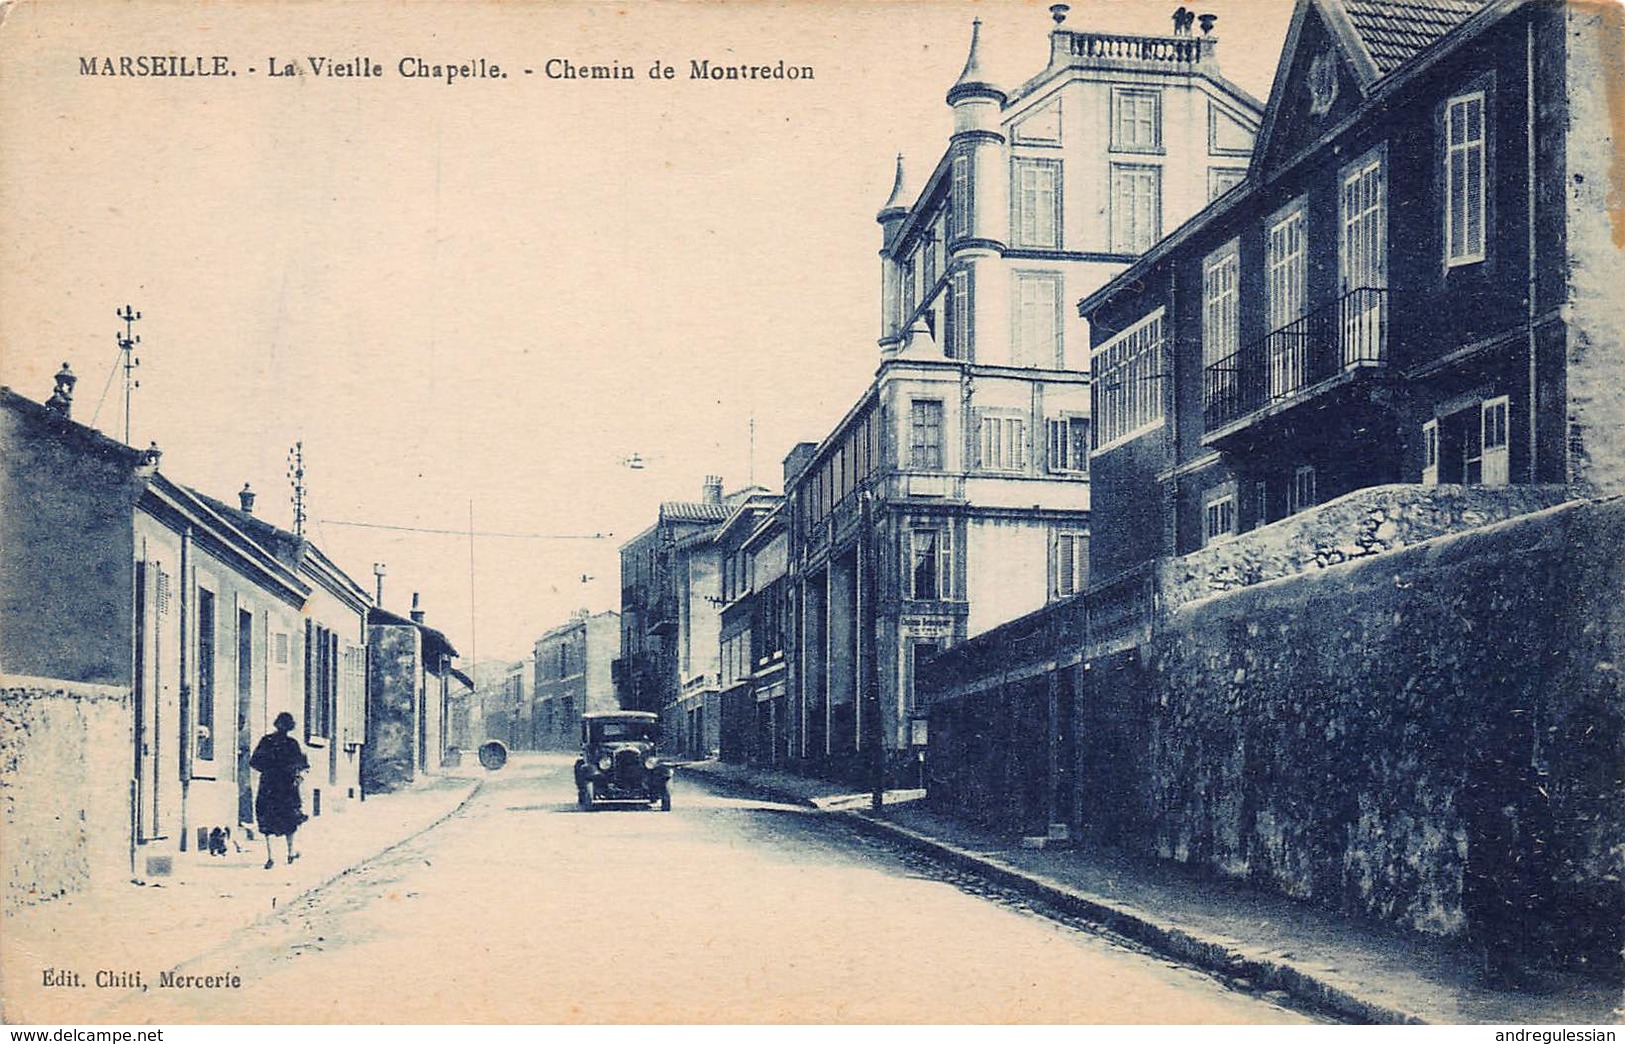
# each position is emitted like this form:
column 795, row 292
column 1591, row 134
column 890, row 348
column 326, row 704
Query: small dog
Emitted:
column 217, row 840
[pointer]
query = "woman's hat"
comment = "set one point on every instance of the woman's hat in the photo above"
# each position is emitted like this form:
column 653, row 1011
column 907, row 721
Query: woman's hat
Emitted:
column 284, row 721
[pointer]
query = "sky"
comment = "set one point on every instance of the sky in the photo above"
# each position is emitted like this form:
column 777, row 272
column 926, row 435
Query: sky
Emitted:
column 473, row 302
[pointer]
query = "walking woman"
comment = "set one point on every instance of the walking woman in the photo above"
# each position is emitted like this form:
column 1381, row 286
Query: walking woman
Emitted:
column 280, row 762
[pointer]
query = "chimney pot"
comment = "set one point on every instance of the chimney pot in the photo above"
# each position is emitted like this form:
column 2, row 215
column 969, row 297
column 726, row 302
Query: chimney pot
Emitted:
column 417, row 614
column 61, row 400
column 713, row 489
column 245, row 496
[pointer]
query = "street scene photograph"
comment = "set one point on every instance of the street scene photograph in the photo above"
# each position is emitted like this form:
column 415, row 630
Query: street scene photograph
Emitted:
column 806, row 513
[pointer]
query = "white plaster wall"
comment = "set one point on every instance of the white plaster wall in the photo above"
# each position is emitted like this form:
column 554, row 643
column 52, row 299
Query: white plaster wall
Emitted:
column 1006, row 570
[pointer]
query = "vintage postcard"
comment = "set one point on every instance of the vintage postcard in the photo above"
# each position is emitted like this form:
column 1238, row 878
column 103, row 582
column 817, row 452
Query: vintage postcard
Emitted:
column 811, row 512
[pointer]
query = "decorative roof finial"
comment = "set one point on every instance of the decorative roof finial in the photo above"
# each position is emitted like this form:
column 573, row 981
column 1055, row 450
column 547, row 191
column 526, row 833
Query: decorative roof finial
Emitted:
column 1058, row 12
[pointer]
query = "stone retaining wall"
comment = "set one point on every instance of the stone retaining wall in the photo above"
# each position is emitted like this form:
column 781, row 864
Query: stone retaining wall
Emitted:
column 65, row 770
column 1363, row 523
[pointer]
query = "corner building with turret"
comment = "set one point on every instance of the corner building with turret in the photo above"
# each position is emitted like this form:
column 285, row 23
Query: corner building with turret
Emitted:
column 954, row 495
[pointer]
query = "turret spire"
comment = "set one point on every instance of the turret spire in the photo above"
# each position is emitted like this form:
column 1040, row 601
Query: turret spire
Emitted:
column 896, row 203
column 972, row 80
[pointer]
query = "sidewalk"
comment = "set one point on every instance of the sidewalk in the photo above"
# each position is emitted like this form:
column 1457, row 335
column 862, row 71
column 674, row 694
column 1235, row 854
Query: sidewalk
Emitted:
column 158, row 925
column 1252, row 939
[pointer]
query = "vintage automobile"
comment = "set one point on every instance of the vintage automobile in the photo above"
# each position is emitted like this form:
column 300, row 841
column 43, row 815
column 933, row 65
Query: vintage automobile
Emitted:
column 618, row 760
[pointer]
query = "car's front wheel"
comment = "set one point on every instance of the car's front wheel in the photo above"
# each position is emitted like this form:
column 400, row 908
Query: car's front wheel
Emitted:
column 583, row 796
column 665, row 799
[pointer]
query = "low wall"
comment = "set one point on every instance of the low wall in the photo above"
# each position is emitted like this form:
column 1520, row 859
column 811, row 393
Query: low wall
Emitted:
column 1434, row 738
column 65, row 764
column 1360, row 524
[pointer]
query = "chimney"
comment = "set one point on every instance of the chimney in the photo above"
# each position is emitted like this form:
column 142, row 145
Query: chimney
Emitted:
column 713, row 489
column 795, row 462
column 245, row 497
column 417, row 614
column 61, row 400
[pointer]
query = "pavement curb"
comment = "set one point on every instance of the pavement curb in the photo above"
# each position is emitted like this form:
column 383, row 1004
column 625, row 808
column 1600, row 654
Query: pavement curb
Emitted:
column 753, row 787
column 1214, row 955
column 276, row 906
column 1209, row 954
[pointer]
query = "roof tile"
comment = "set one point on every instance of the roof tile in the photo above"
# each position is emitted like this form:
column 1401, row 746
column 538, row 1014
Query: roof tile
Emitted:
column 1395, row 31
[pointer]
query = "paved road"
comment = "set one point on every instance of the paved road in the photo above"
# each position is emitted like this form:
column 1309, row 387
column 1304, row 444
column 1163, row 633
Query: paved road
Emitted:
column 522, row 909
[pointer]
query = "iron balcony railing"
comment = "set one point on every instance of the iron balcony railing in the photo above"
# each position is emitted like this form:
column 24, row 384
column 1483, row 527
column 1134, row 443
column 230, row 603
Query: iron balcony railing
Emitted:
column 1349, row 332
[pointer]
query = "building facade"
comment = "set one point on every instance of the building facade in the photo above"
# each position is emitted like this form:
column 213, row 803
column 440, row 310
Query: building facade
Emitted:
column 1392, row 332
column 1404, row 290
column 572, row 677
column 955, row 495
column 753, row 622
column 150, row 639
column 334, row 690
column 410, row 684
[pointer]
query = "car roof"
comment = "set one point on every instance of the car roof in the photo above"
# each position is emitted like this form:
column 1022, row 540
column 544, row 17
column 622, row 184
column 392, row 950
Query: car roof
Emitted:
column 622, row 715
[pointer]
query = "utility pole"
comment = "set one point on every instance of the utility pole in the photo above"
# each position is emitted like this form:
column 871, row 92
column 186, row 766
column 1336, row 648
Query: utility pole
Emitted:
column 296, row 475
column 126, row 344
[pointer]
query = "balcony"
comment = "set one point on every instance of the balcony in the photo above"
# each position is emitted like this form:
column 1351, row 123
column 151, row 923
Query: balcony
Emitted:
column 1296, row 362
column 663, row 616
column 1124, row 51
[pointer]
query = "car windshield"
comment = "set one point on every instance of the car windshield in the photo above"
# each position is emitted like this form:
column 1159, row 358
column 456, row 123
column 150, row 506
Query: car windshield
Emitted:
column 624, row 731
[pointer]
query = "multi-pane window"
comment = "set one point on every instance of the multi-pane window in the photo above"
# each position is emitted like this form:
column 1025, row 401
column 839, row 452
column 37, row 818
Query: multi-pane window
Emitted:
column 961, row 332
column 908, row 290
column 1036, row 320
column 321, row 680
column 1127, row 383
column 1219, row 518
column 1301, row 494
column 1002, row 441
column 928, row 261
column 1220, row 312
column 1068, row 445
column 960, row 202
column 920, row 652
column 1430, row 453
column 1221, row 322
column 930, row 573
column 1136, row 121
column 1464, row 179
column 1071, row 564
column 1364, row 211
column 1286, row 298
column 1222, row 179
column 1136, row 207
column 1493, row 421
column 1035, row 202
column 925, row 435
column 205, row 674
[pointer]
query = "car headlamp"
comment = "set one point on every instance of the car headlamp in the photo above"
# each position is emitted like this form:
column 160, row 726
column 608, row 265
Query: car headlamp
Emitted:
column 604, row 763
column 650, row 761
